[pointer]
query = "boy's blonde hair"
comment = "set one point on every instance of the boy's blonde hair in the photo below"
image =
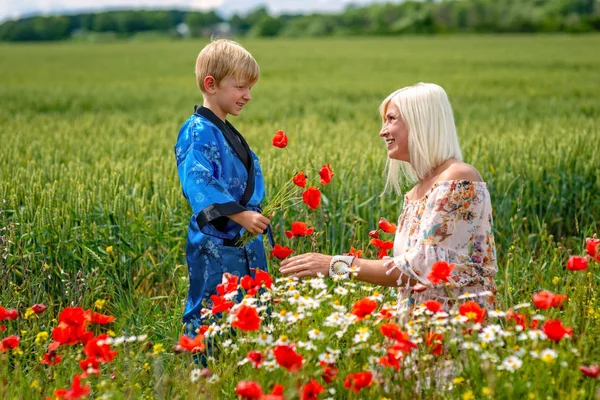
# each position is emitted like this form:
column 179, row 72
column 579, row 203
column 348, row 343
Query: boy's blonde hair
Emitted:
column 432, row 138
column 221, row 58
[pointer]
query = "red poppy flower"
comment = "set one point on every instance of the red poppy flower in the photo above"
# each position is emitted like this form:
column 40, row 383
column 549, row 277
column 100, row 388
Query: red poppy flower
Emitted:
column 312, row 197
column 311, row 390
column 385, row 313
column 358, row 381
column 10, row 342
column 299, row 229
column 391, row 359
column 354, row 252
column 247, row 283
column 195, row 345
column 249, row 390
column 435, row 342
column 281, row 252
column 300, row 179
column 592, row 247
column 473, row 311
column 262, row 277
column 39, row 308
column 403, row 345
column 8, row 313
column 329, row 372
column 440, row 271
column 256, row 358
column 374, row 234
column 558, row 300
column 392, row 331
column 76, row 392
column 519, row 319
column 386, row 226
column 51, row 358
column 543, row 299
column 382, row 245
column 229, row 283
column 577, row 263
column 364, row 307
column 246, row 318
column 2, row 328
column 90, row 364
column 287, row 357
column 554, row 329
column 433, row 306
column 326, row 174
column 220, row 304
column 97, row 349
column 382, row 253
column 276, row 393
column 593, row 371
column 100, row 319
column 280, row 139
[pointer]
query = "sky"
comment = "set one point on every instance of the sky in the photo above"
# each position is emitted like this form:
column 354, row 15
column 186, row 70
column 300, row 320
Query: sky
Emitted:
column 14, row 9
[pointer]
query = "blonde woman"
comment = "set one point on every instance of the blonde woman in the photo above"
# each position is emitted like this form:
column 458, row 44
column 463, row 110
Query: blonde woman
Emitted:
column 447, row 215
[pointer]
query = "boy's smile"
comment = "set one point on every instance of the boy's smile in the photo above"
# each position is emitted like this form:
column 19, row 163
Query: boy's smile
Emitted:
column 229, row 97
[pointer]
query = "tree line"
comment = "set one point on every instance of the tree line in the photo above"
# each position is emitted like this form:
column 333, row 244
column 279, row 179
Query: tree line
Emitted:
column 408, row 17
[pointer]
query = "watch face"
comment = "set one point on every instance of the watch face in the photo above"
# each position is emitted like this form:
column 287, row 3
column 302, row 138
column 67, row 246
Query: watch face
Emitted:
column 340, row 268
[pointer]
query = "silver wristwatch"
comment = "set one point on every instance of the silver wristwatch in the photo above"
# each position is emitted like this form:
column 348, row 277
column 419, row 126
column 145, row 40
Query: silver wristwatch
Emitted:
column 340, row 266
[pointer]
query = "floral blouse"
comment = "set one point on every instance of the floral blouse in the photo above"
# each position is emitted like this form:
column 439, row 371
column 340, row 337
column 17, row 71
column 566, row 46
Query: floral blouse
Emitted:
column 453, row 223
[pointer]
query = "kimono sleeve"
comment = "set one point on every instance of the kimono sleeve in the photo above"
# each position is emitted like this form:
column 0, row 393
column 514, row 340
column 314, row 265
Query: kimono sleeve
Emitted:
column 210, row 201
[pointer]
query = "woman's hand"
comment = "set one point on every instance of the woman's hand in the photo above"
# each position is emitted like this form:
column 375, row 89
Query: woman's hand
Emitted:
column 308, row 264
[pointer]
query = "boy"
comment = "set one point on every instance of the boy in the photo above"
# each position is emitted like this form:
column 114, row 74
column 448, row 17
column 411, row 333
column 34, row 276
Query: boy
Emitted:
column 220, row 176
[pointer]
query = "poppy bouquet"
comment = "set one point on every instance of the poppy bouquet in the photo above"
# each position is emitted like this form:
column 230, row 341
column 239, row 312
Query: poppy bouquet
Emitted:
column 297, row 189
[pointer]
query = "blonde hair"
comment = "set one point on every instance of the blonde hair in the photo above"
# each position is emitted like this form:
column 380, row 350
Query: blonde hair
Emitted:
column 221, row 58
column 432, row 139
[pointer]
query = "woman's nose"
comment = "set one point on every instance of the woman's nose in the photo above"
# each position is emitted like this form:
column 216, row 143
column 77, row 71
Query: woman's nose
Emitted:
column 383, row 132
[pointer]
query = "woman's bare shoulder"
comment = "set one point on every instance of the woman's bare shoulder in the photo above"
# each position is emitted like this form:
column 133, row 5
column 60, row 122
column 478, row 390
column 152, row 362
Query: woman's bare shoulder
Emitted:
column 460, row 171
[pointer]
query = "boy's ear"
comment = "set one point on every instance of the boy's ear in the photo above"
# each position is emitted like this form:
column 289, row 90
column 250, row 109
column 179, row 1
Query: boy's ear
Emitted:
column 210, row 84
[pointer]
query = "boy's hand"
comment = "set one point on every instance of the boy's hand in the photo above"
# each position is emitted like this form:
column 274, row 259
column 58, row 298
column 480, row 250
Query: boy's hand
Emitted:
column 253, row 222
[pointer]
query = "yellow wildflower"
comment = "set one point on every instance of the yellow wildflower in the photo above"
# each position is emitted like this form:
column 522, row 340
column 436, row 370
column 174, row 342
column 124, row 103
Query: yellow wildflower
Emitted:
column 109, row 250
column 35, row 385
column 468, row 395
column 555, row 280
column 99, row 304
column 158, row 348
column 458, row 380
column 41, row 337
column 29, row 313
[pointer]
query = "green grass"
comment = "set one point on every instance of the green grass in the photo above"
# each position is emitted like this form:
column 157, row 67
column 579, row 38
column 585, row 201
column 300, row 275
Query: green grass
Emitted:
column 86, row 162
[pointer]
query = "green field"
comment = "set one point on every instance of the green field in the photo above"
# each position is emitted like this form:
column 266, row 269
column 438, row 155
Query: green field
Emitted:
column 87, row 163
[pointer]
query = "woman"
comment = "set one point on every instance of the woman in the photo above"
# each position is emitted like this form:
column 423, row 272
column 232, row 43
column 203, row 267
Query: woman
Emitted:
column 447, row 216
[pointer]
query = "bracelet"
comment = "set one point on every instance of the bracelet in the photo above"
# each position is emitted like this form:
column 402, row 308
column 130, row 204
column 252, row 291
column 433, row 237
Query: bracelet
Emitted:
column 339, row 267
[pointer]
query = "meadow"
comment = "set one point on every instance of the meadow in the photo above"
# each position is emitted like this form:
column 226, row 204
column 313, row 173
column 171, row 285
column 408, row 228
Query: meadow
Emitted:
column 92, row 214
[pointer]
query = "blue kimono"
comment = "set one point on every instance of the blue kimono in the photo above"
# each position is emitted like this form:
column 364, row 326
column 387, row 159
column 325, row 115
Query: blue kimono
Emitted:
column 220, row 176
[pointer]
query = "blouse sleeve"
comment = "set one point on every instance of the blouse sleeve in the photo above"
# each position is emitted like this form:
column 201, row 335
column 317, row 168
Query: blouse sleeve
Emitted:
column 456, row 227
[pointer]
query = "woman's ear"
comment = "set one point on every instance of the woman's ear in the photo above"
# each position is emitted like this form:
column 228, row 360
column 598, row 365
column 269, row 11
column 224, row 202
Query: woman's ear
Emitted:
column 210, row 84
